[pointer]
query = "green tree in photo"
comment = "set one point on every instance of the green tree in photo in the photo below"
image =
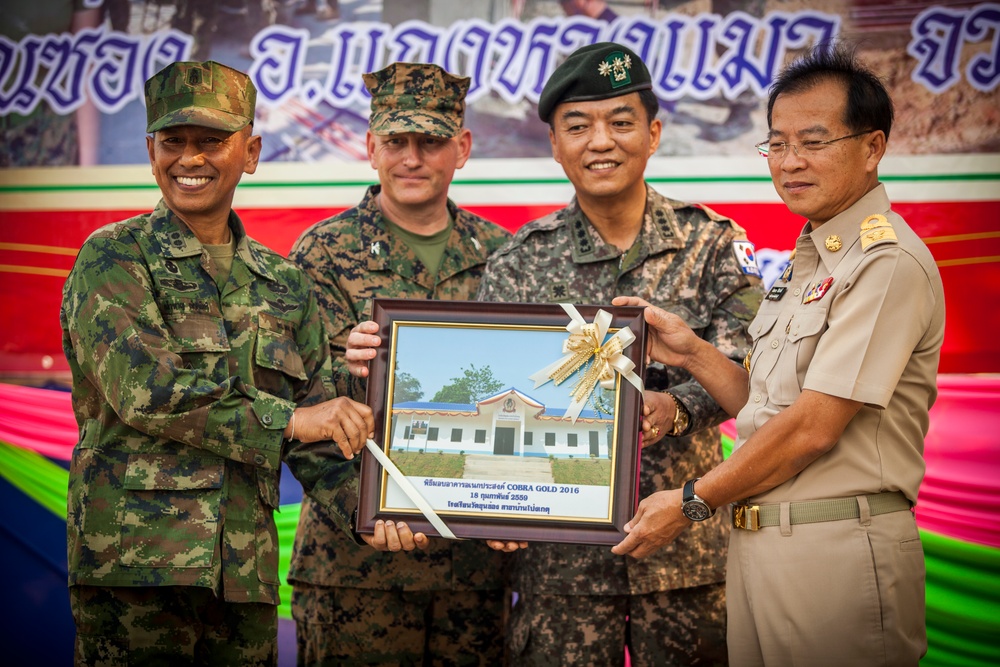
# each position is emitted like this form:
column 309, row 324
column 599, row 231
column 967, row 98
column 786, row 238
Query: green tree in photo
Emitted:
column 474, row 385
column 406, row 388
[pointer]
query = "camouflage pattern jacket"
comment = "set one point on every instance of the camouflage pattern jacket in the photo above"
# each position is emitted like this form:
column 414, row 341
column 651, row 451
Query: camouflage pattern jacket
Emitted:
column 683, row 261
column 181, row 393
column 351, row 259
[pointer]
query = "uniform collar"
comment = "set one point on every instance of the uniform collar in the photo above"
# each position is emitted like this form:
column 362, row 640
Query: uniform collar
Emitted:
column 383, row 252
column 176, row 240
column 846, row 225
column 660, row 231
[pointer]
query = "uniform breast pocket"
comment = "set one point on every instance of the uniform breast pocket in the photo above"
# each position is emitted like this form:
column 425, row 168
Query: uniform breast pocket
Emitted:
column 760, row 329
column 199, row 338
column 804, row 331
column 277, row 356
column 171, row 516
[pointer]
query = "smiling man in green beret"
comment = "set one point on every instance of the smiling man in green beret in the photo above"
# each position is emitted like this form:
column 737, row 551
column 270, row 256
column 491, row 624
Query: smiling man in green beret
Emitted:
column 199, row 364
column 579, row 604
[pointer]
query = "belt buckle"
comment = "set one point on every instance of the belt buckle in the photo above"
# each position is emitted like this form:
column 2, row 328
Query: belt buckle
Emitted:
column 746, row 517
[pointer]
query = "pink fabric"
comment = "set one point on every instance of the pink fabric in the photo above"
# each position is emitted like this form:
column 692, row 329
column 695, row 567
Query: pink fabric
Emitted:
column 960, row 495
column 38, row 419
column 959, row 498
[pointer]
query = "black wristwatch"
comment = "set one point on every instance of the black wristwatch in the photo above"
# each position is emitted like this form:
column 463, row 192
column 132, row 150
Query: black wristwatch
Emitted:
column 694, row 507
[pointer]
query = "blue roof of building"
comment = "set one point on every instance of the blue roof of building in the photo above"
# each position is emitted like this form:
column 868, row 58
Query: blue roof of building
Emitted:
column 473, row 408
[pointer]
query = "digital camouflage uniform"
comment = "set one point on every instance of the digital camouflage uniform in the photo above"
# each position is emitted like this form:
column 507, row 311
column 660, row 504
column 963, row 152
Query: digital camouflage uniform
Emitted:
column 682, row 260
column 352, row 258
column 182, row 392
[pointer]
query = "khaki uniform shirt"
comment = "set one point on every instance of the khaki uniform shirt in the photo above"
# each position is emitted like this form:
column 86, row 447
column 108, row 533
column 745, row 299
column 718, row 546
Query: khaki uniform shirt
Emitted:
column 874, row 336
column 683, row 261
column 353, row 258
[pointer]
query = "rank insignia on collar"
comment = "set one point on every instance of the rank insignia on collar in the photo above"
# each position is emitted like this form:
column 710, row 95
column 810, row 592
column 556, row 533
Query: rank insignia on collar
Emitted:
column 376, row 248
column 746, row 257
column 776, row 293
column 616, row 65
column 817, row 291
column 833, row 243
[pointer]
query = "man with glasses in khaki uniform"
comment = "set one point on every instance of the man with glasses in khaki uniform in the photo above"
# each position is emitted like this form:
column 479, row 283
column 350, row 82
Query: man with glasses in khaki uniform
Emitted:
column 825, row 563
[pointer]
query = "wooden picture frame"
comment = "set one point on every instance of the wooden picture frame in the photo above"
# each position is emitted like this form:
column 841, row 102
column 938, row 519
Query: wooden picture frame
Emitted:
column 496, row 457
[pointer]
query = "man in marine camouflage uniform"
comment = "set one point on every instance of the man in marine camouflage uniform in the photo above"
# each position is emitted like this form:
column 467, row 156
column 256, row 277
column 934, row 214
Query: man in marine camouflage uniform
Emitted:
column 619, row 236
column 199, row 362
column 444, row 603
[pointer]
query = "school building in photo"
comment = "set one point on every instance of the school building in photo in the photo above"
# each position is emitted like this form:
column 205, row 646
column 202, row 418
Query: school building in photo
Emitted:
column 509, row 423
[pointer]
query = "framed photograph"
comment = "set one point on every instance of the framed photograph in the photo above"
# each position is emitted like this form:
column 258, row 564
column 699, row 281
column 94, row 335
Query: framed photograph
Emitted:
column 500, row 421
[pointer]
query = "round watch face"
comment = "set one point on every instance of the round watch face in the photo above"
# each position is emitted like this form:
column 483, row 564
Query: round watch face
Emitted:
column 696, row 510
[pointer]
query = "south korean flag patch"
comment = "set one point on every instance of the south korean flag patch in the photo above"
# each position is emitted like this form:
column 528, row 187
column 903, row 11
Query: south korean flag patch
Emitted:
column 746, row 258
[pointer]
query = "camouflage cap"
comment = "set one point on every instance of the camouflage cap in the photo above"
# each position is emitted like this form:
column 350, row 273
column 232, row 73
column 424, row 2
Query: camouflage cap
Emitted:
column 199, row 93
column 594, row 72
column 416, row 97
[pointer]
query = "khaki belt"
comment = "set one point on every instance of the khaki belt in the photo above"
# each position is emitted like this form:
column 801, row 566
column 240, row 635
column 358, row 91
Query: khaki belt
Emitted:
column 755, row 517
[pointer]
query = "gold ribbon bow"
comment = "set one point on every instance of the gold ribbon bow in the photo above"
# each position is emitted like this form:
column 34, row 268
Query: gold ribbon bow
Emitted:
column 586, row 344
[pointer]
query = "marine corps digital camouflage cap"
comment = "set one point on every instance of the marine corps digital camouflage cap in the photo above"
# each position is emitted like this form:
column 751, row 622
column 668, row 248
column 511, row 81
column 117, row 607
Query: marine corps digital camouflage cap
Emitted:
column 594, row 72
column 416, row 97
column 206, row 94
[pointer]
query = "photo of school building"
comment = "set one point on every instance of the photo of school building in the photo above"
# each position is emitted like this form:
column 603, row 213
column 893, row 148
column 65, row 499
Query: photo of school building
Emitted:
column 509, row 423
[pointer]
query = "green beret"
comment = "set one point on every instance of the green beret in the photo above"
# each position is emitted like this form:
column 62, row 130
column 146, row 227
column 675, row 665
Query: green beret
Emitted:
column 595, row 72
column 416, row 97
column 199, row 93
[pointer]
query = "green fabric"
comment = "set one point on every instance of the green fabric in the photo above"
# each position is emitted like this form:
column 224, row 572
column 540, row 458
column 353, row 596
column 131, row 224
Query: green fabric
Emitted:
column 286, row 519
column 963, row 602
column 37, row 477
column 727, row 446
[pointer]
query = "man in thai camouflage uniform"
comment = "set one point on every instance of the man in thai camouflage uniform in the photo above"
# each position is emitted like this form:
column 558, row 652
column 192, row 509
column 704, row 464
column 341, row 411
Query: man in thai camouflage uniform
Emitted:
column 442, row 604
column 199, row 362
column 618, row 236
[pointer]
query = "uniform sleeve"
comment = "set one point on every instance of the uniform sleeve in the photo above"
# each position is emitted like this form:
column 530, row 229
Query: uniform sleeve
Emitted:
column 326, row 476
column 336, row 309
column 319, row 467
column 124, row 347
column 874, row 324
column 500, row 280
column 736, row 298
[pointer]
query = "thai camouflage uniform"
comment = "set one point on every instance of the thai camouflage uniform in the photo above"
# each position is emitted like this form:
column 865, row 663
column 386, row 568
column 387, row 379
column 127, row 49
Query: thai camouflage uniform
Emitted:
column 337, row 580
column 182, row 391
column 683, row 261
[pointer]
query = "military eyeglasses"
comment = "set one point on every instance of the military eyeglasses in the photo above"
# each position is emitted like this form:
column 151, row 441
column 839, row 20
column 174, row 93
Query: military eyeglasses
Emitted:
column 777, row 150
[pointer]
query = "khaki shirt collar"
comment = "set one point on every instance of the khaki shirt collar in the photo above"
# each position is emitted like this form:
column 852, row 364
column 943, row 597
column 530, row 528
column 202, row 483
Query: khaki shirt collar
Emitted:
column 847, row 226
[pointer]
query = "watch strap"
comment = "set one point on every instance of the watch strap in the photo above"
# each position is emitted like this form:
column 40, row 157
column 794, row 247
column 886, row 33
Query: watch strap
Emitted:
column 682, row 418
